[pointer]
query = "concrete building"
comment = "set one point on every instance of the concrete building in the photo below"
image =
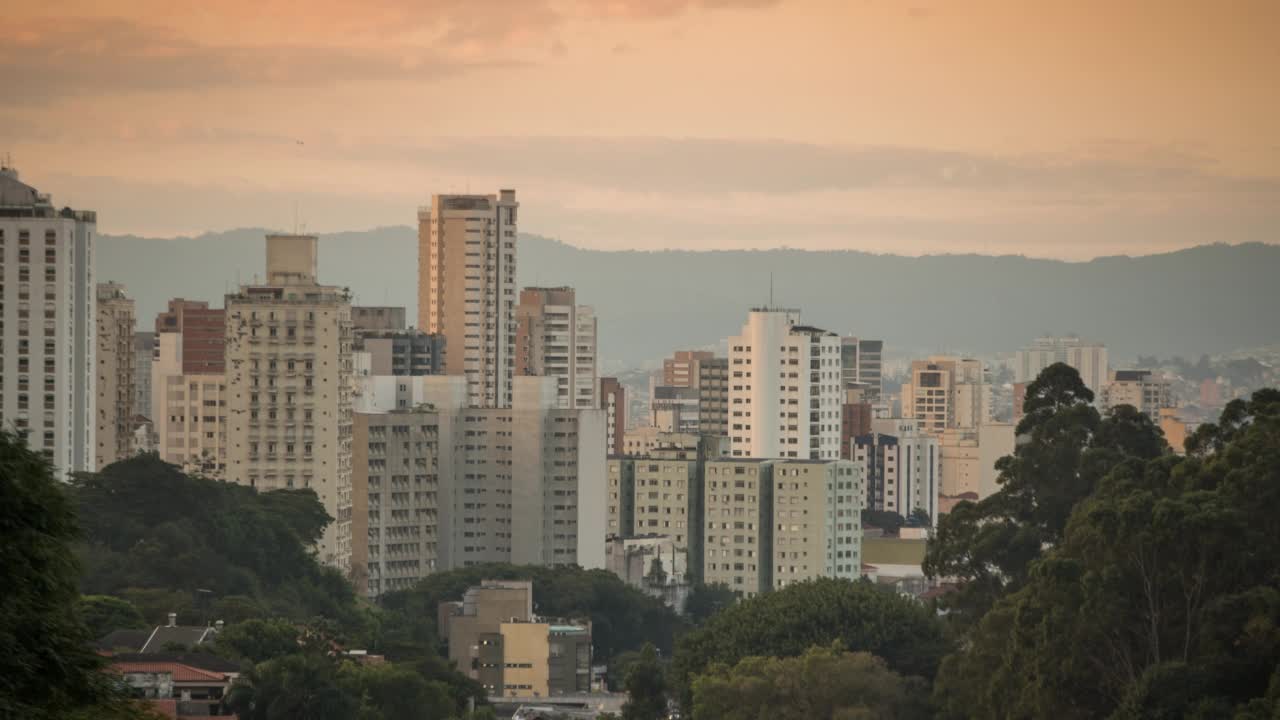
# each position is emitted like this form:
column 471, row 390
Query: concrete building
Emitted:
column 400, row 352
column 48, row 314
column 495, row 638
column 855, row 418
column 862, row 364
column 467, row 289
column 289, row 387
column 204, row 335
column 632, row 558
column 1089, row 358
column 713, row 396
column 738, row 525
column 395, row 498
column 968, row 459
column 1139, row 388
column 188, row 410
column 947, row 392
column 114, row 378
column 675, row 409
column 377, row 318
column 144, row 350
column 784, row 392
column 817, row 520
column 667, row 486
column 681, row 369
column 557, row 337
column 902, row 467
column 613, row 401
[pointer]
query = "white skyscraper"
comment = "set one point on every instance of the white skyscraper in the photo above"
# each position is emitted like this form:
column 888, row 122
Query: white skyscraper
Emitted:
column 1089, row 358
column 48, row 308
column 784, row 388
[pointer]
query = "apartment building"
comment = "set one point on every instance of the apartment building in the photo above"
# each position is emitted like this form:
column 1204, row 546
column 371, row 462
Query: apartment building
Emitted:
column 1142, row 389
column 947, row 392
column 395, row 491
column 713, row 396
column 738, row 525
column 681, row 369
column 902, row 467
column 968, row 459
column 675, row 409
column 400, row 352
column 784, row 392
column 189, row 411
column 817, row 520
column 47, row 324
column 666, row 497
column 862, row 365
column 467, row 289
column 1089, row 358
column 377, row 318
column 114, row 378
column 289, row 386
column 203, row 332
column 557, row 337
column 613, row 401
column 495, row 638
column 144, row 350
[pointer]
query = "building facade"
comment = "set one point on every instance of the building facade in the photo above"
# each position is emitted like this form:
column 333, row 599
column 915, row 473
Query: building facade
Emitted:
column 817, row 520
column 47, row 339
column 467, row 289
column 902, row 466
column 862, row 365
column 681, row 369
column 1088, row 358
column 289, row 387
column 144, row 350
column 613, row 401
column 203, row 331
column 1142, row 389
column 738, row 525
column 713, row 396
column 947, row 392
column 784, row 388
column 377, row 318
column 115, row 375
column 557, row 337
column 400, row 352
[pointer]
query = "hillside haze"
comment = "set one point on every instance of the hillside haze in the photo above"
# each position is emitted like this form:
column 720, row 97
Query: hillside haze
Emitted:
column 1205, row 299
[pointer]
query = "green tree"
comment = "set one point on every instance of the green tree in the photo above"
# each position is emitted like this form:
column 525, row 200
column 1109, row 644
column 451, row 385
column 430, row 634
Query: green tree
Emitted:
column 387, row 691
column 704, row 601
column 824, row 682
column 1161, row 599
column 888, row 521
column 301, row 686
column 259, row 640
column 787, row 622
column 102, row 614
column 47, row 669
column 646, row 688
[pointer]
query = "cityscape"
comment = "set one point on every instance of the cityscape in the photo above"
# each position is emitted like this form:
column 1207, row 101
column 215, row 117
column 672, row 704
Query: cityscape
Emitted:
column 494, row 462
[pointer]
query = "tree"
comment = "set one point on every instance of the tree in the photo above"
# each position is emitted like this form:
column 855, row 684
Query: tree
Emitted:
column 704, row 601
column 258, row 640
column 787, row 622
column 888, row 521
column 646, row 688
column 47, row 669
column 389, row 692
column 824, row 682
column 1160, row 600
column 102, row 614
column 302, row 685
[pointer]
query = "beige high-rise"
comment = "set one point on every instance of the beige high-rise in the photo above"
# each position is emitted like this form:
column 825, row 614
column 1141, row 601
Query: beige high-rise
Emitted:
column 557, row 337
column 289, row 384
column 738, row 525
column 189, row 411
column 817, row 520
column 947, row 392
column 114, row 375
column 467, row 289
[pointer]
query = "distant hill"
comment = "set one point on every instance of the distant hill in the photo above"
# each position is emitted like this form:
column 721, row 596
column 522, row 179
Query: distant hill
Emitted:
column 1205, row 299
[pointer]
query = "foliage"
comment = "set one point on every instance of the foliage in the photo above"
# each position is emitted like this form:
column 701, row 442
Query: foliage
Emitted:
column 47, row 669
column 1065, row 449
column 301, row 685
column 646, row 688
column 102, row 613
column 704, row 601
column 824, row 682
column 155, row 536
column 787, row 622
column 887, row 520
column 657, row 575
column 1160, row 599
column 386, row 691
column 622, row 618
column 259, row 640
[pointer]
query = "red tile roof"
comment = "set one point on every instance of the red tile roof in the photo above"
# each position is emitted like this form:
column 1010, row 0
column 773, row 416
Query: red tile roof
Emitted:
column 180, row 672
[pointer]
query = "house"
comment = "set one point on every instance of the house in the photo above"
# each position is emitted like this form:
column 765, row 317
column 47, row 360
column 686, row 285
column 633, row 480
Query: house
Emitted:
column 175, row 689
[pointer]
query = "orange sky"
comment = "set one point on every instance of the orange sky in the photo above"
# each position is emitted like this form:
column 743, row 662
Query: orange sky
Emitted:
column 1062, row 129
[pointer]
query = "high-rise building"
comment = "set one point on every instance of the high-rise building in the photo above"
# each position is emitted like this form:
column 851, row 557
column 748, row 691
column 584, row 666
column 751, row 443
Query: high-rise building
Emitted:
column 467, row 289
column 289, row 386
column 681, row 369
column 377, row 318
column 557, row 337
column 114, row 377
column 203, row 332
column 1090, row 359
column 902, row 466
column 738, row 525
column 189, row 409
column 395, row 486
column 666, row 488
column 855, row 419
column 817, row 520
column 48, row 311
column 613, row 400
column 144, row 350
column 399, row 352
column 675, row 408
column 784, row 388
column 861, row 365
column 968, row 459
column 713, row 396
column 947, row 392
column 1143, row 390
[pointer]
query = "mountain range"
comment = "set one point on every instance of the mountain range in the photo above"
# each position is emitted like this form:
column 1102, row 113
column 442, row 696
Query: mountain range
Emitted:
column 1206, row 299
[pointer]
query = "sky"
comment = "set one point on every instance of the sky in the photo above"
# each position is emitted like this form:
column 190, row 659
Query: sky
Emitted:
column 1051, row 129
